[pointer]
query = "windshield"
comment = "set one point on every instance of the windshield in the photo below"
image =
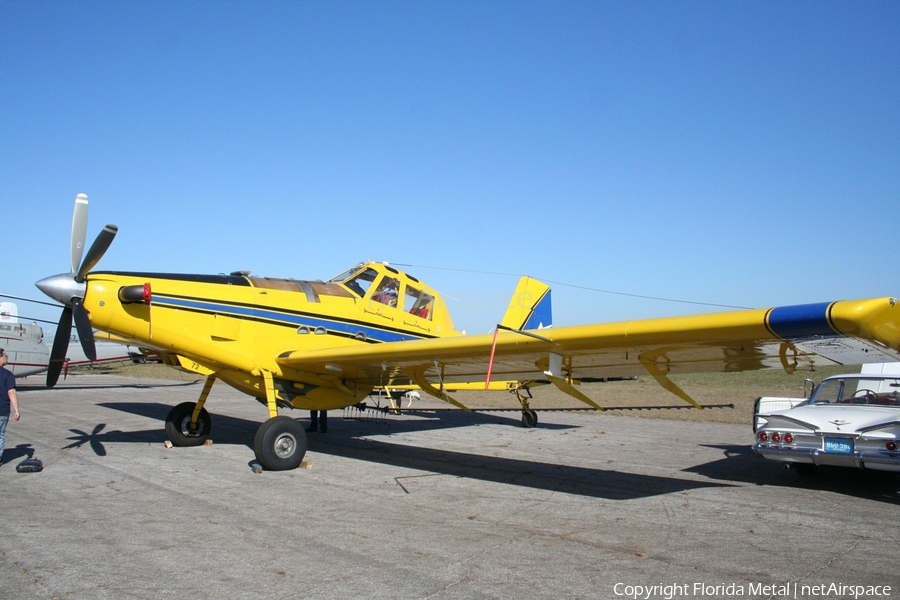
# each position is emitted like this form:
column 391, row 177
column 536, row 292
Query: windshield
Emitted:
column 883, row 391
column 346, row 274
column 360, row 283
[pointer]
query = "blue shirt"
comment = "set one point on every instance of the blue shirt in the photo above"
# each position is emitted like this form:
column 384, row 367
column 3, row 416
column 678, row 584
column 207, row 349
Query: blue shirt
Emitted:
column 7, row 382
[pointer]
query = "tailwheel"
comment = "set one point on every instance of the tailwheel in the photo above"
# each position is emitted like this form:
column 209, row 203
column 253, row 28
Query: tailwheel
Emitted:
column 280, row 444
column 529, row 418
column 178, row 425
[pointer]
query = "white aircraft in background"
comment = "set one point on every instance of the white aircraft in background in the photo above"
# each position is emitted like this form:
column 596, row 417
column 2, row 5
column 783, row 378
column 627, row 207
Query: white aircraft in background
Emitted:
column 23, row 343
column 28, row 355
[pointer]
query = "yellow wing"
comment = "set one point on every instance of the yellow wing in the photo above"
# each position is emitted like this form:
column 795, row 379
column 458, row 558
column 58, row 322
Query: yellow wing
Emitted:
column 844, row 332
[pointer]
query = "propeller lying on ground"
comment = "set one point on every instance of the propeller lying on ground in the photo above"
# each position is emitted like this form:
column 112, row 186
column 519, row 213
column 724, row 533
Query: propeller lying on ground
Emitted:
column 69, row 289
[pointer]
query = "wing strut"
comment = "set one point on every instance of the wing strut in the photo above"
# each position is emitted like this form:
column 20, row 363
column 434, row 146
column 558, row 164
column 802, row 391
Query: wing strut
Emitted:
column 554, row 374
column 651, row 362
column 418, row 376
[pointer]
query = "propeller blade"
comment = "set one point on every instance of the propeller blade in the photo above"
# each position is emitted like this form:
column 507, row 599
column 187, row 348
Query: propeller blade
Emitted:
column 79, row 230
column 84, row 329
column 96, row 251
column 60, row 346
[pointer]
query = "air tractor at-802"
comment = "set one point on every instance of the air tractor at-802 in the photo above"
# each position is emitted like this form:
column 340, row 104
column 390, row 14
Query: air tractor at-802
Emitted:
column 322, row 345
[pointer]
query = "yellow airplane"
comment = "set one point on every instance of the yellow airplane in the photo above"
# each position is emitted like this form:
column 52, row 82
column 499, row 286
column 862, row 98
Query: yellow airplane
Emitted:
column 325, row 345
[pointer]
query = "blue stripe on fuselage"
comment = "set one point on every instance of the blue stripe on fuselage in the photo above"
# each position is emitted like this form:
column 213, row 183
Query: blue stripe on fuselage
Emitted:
column 350, row 329
column 801, row 321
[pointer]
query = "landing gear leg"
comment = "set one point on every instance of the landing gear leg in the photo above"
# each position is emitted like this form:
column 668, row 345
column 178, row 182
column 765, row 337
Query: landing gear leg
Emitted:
column 529, row 416
column 188, row 424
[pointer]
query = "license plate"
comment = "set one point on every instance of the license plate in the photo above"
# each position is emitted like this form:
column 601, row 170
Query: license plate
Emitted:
column 840, row 445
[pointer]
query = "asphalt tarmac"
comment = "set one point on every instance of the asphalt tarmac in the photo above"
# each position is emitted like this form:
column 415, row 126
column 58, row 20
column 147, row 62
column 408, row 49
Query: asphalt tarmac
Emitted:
column 425, row 505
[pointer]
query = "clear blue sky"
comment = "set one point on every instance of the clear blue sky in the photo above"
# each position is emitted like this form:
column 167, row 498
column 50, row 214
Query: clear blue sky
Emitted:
column 731, row 153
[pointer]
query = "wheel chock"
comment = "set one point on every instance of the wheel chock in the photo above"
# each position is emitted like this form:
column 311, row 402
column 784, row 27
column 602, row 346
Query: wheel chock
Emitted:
column 257, row 468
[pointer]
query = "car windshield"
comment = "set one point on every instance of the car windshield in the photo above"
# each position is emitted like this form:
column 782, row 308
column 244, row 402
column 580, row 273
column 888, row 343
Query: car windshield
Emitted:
column 843, row 390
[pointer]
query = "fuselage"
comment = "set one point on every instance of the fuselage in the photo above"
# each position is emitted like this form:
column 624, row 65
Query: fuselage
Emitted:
column 236, row 325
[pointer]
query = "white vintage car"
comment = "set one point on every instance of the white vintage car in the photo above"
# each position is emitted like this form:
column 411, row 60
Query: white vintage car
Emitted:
column 848, row 421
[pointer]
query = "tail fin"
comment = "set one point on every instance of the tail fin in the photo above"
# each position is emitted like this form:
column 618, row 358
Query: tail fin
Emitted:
column 530, row 306
column 9, row 312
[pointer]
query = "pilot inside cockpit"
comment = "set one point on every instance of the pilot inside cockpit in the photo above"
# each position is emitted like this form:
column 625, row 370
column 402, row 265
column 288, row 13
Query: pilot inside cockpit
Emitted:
column 387, row 291
column 360, row 282
column 418, row 303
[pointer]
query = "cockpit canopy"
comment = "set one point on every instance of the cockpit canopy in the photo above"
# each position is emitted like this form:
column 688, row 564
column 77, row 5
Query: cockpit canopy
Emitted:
column 386, row 285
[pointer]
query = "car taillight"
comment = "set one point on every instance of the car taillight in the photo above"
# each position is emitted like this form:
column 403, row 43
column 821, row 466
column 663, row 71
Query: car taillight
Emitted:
column 776, row 437
column 788, row 438
column 891, row 446
column 763, row 436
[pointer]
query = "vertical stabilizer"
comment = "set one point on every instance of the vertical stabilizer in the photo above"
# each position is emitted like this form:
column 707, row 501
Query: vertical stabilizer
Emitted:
column 530, row 306
column 9, row 312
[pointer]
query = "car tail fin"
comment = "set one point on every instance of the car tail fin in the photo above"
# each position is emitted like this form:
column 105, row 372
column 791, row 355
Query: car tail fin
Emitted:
column 530, row 306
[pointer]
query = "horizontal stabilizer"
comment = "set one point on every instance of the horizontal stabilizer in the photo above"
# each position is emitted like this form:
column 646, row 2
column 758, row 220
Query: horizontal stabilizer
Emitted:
column 530, row 306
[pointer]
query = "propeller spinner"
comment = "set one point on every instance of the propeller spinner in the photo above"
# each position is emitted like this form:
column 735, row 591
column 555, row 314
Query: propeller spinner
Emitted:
column 69, row 289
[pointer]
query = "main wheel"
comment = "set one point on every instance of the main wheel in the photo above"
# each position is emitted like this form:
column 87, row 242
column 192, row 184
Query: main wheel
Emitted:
column 529, row 418
column 178, row 425
column 280, row 444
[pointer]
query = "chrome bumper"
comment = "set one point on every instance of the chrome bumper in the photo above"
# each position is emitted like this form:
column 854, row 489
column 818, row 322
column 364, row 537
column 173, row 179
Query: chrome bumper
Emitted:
column 857, row 460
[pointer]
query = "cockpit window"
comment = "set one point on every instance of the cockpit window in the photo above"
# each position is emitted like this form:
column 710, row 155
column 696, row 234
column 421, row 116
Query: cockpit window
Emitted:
column 387, row 291
column 346, row 274
column 359, row 283
column 418, row 303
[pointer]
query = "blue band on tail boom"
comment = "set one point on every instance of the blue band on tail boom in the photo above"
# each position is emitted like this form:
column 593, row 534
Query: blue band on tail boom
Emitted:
column 801, row 321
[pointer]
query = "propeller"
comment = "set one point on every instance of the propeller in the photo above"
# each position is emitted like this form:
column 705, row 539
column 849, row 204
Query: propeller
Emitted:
column 69, row 288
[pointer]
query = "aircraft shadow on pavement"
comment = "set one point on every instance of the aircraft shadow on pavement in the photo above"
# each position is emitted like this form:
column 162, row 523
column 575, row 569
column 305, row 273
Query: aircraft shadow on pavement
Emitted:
column 741, row 465
column 582, row 481
column 346, row 438
column 234, row 430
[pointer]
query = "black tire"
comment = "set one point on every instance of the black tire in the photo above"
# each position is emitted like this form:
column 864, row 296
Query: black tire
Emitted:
column 529, row 418
column 280, row 444
column 178, row 426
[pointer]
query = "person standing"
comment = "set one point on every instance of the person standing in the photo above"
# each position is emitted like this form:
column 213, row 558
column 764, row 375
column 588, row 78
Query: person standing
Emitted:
column 318, row 421
column 9, row 401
